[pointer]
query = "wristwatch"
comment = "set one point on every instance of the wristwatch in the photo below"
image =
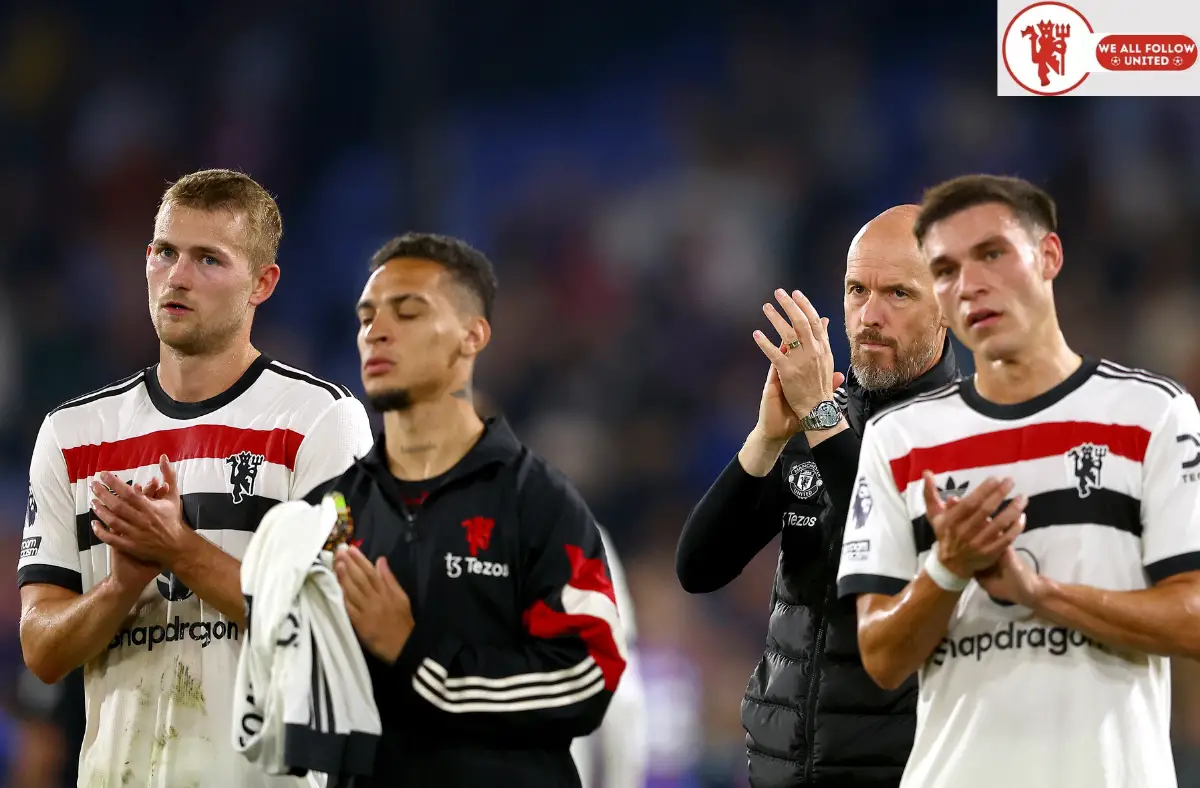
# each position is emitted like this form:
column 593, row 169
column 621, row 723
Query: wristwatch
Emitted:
column 825, row 416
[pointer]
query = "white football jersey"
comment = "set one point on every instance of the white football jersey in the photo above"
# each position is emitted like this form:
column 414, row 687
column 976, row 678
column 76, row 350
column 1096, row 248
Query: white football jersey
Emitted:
column 159, row 700
column 1110, row 461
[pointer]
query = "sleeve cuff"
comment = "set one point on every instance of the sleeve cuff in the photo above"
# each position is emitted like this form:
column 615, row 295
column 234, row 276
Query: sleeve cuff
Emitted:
column 852, row 585
column 841, row 449
column 50, row 575
column 1175, row 565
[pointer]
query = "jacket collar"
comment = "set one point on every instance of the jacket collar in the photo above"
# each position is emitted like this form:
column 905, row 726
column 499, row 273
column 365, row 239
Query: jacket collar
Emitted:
column 498, row 444
column 861, row 403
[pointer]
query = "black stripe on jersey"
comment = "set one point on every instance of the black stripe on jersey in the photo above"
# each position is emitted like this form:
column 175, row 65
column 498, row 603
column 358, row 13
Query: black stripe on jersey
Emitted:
column 949, row 390
column 327, row 752
column 50, row 575
column 326, row 693
column 1062, row 507
column 1116, row 372
column 870, row 584
column 338, row 392
column 207, row 511
column 111, row 390
column 1145, row 373
column 1175, row 565
column 315, row 695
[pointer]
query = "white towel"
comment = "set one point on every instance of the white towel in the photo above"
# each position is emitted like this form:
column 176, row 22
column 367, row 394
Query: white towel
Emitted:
column 303, row 697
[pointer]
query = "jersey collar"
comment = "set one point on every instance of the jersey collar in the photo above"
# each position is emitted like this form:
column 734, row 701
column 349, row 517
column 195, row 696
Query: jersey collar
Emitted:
column 1023, row 410
column 182, row 411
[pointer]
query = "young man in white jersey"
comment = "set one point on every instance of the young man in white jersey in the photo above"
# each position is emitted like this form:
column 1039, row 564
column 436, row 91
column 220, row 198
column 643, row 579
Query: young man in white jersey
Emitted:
column 142, row 589
column 1027, row 540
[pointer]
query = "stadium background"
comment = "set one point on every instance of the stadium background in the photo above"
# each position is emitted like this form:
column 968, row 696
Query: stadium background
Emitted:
column 642, row 175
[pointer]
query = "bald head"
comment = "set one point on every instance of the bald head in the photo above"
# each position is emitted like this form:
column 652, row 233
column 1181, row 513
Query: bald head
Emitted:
column 892, row 320
column 889, row 236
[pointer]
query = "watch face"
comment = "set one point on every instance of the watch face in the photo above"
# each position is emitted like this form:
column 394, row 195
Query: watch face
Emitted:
column 826, row 414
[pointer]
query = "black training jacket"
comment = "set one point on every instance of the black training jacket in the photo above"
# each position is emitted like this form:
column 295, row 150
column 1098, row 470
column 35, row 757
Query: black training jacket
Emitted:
column 812, row 714
column 515, row 650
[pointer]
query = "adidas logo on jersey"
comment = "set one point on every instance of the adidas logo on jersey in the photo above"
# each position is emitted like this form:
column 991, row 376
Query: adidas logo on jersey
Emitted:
column 951, row 489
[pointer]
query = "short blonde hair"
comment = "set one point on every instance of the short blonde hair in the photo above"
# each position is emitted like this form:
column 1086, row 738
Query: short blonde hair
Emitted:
column 215, row 190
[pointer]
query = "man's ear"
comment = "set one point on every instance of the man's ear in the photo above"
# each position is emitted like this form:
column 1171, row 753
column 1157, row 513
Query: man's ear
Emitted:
column 264, row 284
column 479, row 333
column 1052, row 256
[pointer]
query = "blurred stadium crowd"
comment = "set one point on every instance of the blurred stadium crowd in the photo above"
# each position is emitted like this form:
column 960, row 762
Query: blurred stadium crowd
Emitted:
column 642, row 176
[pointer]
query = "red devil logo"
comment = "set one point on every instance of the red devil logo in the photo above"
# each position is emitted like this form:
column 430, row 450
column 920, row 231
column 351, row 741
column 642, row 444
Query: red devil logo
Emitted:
column 479, row 533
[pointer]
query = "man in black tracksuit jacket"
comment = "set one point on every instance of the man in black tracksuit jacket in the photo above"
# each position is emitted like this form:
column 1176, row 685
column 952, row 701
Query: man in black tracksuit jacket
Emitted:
column 477, row 580
column 500, row 560
column 811, row 713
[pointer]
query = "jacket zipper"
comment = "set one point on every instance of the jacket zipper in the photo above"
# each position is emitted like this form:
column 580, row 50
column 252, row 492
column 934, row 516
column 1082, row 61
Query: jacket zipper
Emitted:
column 815, row 675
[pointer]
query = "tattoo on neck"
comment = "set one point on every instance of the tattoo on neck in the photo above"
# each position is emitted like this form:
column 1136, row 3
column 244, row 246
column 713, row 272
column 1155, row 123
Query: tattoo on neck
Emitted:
column 463, row 393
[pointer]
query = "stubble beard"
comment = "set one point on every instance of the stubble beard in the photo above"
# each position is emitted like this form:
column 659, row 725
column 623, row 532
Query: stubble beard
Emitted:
column 392, row 400
column 198, row 340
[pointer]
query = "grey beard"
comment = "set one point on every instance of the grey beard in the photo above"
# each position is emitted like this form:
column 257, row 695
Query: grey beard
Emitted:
column 908, row 367
column 874, row 378
column 396, row 399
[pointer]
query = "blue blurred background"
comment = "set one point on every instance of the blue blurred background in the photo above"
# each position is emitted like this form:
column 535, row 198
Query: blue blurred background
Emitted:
column 642, row 174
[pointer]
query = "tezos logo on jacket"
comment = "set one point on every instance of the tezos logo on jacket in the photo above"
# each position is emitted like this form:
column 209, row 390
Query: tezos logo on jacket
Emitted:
column 804, row 479
column 243, row 470
column 479, row 536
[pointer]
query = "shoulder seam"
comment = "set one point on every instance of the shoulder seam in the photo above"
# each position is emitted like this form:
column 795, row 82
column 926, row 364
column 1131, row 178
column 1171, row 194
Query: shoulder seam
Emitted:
column 336, row 391
column 945, row 391
column 104, row 392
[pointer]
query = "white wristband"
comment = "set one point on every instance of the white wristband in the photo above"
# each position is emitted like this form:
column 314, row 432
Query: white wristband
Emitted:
column 942, row 577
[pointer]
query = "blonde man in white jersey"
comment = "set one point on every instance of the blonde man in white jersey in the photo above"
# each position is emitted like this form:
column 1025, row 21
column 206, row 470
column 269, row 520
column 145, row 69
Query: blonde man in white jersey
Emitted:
column 1027, row 540
column 143, row 589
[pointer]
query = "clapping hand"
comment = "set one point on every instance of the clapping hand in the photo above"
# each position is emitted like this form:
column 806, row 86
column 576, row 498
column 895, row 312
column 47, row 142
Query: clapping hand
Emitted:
column 971, row 535
column 801, row 374
column 1013, row 580
column 147, row 527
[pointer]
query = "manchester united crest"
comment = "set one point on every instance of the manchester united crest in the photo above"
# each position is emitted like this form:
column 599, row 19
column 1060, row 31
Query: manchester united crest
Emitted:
column 804, row 480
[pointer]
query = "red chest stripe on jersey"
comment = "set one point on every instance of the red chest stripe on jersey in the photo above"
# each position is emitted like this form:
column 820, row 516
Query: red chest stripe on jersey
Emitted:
column 1031, row 442
column 202, row 441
